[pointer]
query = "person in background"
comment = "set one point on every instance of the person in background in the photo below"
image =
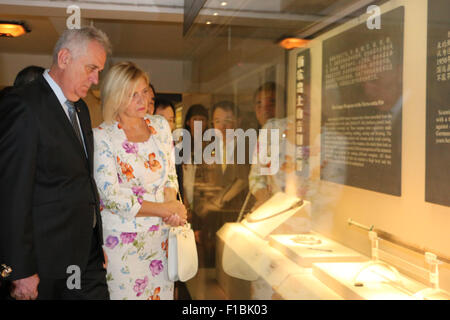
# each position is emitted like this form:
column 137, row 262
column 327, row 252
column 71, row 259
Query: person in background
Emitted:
column 228, row 179
column 51, row 227
column 265, row 102
column 5, row 91
column 151, row 99
column 136, row 179
column 27, row 75
column 24, row 76
column 191, row 176
column 166, row 109
column 262, row 186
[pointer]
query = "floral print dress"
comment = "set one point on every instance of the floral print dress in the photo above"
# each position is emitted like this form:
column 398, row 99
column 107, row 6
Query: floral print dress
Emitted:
column 127, row 173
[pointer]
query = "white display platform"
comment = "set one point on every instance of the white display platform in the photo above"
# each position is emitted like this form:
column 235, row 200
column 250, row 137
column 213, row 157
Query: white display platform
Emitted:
column 280, row 214
column 244, row 255
column 306, row 249
column 340, row 276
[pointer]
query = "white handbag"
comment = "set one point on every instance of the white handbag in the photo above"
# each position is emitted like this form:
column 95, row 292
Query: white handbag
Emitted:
column 182, row 253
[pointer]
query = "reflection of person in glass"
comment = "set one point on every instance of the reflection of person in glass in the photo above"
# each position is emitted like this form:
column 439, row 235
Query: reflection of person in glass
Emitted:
column 196, row 113
column 134, row 169
column 227, row 182
column 265, row 101
column 166, row 109
column 263, row 186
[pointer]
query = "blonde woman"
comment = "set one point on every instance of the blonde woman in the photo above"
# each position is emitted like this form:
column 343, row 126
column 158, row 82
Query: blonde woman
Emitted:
column 135, row 174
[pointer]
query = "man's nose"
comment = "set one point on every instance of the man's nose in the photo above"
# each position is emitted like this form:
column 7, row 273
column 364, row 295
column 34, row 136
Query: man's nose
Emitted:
column 93, row 77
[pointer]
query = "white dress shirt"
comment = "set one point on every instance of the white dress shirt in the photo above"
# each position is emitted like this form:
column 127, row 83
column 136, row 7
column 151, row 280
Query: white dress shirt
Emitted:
column 62, row 100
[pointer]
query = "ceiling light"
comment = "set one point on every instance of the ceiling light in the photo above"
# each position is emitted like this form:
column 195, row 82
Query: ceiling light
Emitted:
column 223, row 3
column 292, row 43
column 13, row 29
column 208, row 22
column 215, row 14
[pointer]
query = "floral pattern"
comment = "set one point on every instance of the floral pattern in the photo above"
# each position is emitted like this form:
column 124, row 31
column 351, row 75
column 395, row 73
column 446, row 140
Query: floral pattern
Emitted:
column 127, row 173
column 156, row 267
column 137, row 266
column 140, row 285
column 111, row 242
column 155, row 295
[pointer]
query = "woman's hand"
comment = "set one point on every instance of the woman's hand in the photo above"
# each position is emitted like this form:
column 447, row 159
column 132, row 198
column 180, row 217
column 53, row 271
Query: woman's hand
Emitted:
column 173, row 213
column 174, row 221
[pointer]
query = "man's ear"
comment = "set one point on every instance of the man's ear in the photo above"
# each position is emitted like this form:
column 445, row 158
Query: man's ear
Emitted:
column 64, row 58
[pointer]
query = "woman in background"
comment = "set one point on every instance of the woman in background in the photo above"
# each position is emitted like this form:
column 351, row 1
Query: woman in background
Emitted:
column 199, row 113
column 151, row 99
column 135, row 175
column 166, row 109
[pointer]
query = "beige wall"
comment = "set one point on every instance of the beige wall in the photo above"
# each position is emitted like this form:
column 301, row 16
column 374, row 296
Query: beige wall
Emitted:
column 12, row 63
column 166, row 75
column 409, row 217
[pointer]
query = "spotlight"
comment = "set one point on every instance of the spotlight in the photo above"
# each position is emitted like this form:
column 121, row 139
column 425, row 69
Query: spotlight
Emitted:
column 292, row 42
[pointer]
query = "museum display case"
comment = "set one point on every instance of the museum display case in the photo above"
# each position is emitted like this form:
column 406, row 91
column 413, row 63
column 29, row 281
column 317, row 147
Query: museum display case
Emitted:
column 342, row 109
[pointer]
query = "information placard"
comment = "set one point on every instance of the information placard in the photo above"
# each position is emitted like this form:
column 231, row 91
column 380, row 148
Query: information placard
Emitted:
column 438, row 104
column 361, row 132
column 302, row 111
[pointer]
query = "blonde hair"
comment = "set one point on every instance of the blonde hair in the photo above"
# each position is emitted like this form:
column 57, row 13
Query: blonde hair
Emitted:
column 119, row 82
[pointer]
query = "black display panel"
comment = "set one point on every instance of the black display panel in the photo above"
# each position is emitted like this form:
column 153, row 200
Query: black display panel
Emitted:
column 361, row 134
column 438, row 104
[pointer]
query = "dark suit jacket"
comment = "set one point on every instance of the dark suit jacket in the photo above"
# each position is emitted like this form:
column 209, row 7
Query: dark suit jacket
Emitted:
column 47, row 193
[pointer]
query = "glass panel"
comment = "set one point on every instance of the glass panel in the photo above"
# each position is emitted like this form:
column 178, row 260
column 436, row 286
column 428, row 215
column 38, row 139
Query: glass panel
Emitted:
column 320, row 164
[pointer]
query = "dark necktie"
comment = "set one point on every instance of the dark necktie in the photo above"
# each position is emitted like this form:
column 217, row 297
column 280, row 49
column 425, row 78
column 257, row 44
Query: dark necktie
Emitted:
column 74, row 120
column 76, row 128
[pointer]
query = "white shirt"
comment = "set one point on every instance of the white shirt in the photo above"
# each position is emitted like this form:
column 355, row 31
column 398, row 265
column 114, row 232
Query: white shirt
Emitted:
column 62, row 100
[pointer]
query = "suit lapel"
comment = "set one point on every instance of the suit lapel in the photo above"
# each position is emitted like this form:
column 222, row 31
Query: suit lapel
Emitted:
column 86, row 128
column 61, row 117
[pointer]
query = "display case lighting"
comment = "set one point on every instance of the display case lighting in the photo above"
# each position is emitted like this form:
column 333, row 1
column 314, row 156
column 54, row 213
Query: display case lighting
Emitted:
column 289, row 43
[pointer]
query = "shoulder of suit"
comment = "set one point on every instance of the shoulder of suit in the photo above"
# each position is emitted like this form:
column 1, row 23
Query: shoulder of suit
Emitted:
column 24, row 97
column 29, row 91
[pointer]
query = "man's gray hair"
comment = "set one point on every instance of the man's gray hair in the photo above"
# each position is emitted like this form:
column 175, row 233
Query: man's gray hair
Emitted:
column 76, row 39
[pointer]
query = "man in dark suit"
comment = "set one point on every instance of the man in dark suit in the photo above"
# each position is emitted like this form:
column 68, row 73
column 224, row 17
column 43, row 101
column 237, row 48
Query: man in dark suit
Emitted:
column 50, row 230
